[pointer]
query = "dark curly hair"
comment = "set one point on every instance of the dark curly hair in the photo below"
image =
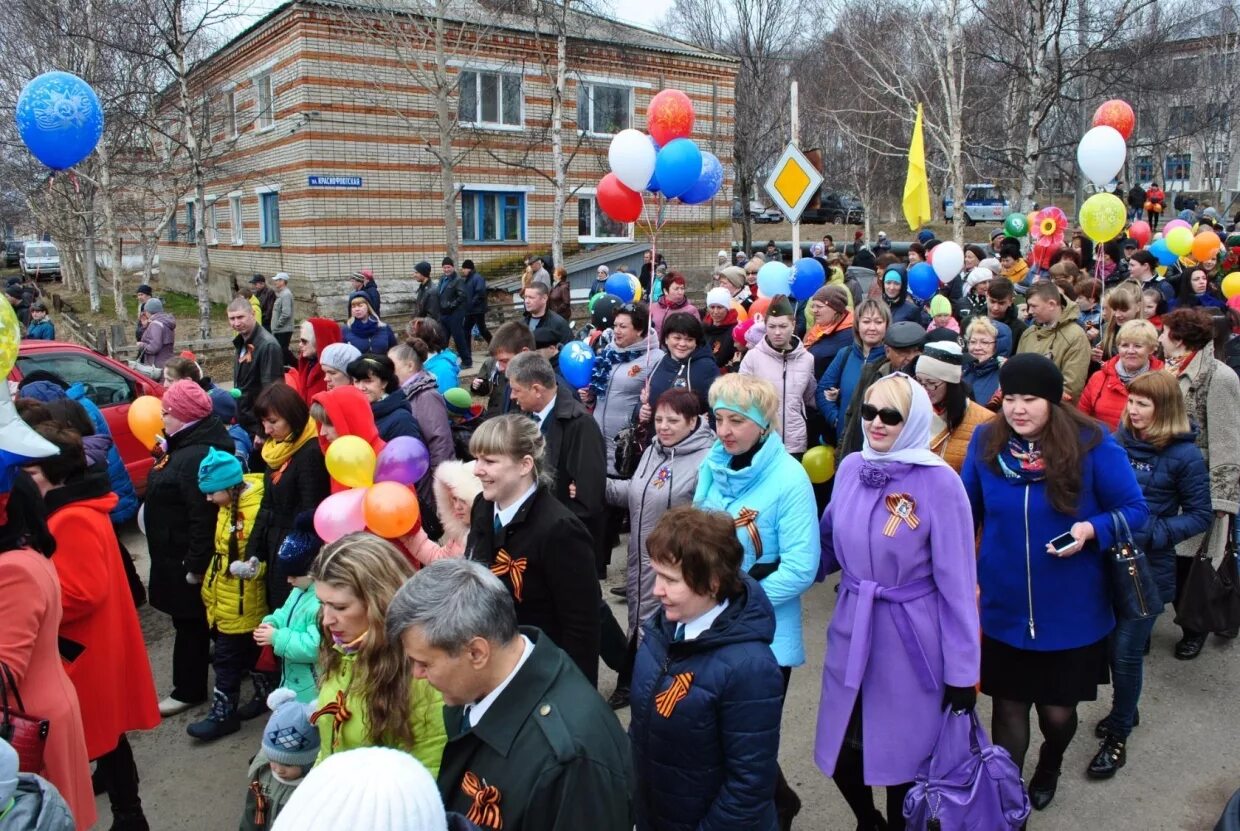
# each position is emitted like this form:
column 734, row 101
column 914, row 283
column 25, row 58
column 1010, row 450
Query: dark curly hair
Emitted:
column 1192, row 327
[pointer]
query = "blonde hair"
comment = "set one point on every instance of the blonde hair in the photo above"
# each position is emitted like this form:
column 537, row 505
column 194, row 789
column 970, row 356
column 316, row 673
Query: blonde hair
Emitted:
column 747, row 392
column 1139, row 331
column 373, row 570
column 1126, row 297
column 897, row 391
column 516, row 437
column 1170, row 414
column 982, row 325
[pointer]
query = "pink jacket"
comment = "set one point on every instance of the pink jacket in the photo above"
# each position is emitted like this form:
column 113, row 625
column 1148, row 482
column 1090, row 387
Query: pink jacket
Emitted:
column 792, row 373
column 452, row 479
column 658, row 311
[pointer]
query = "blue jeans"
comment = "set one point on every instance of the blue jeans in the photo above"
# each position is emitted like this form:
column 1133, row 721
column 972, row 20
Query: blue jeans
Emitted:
column 1127, row 671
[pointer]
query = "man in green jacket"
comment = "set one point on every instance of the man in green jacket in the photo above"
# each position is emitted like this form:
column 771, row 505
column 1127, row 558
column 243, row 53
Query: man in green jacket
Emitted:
column 1055, row 334
column 531, row 744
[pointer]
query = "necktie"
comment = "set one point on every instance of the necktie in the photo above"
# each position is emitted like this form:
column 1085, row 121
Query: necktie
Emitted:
column 465, row 725
column 498, row 525
column 680, row 633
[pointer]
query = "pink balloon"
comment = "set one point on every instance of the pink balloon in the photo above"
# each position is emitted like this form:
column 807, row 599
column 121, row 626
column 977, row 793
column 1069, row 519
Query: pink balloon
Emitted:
column 1175, row 223
column 340, row 514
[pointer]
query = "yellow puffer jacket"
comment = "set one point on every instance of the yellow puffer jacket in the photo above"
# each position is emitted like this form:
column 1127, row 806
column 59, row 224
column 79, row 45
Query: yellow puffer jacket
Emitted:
column 235, row 606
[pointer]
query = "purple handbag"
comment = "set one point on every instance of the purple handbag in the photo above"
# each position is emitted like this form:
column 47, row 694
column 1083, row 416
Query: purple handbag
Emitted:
column 967, row 784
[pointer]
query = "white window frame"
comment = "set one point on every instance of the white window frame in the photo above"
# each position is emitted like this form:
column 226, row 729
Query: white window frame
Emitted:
column 262, row 218
column 490, row 187
column 191, row 224
column 589, row 194
column 492, row 69
column 211, row 221
column 589, row 82
column 263, row 124
column 237, row 217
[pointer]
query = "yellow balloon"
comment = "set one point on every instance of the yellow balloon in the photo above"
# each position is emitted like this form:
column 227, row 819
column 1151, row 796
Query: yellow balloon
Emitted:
column 1231, row 285
column 351, row 462
column 637, row 288
column 1180, row 241
column 10, row 338
column 819, row 463
column 1102, row 217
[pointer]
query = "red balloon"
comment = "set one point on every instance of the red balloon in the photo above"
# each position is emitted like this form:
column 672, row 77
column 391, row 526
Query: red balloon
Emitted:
column 1116, row 113
column 617, row 201
column 1140, row 232
column 669, row 116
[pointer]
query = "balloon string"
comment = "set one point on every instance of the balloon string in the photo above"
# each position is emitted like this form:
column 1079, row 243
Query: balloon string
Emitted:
column 73, row 178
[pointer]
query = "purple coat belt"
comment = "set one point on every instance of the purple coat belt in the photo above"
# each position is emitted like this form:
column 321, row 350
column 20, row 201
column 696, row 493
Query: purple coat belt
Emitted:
column 868, row 593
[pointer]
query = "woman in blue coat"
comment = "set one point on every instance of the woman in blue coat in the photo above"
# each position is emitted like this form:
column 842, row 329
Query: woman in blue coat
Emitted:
column 1162, row 450
column 687, row 364
column 707, row 692
column 375, row 375
column 1041, row 471
column 835, row 387
column 895, row 294
column 751, row 476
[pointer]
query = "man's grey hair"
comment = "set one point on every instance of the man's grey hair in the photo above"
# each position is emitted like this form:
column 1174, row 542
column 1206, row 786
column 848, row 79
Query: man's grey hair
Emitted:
column 530, row 368
column 452, row 601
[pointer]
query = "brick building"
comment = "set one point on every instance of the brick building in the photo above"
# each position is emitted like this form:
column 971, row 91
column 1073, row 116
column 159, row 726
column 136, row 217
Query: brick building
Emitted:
column 324, row 112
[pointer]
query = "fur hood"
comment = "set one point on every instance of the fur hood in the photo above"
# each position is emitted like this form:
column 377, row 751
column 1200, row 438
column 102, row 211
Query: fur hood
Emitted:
column 454, row 479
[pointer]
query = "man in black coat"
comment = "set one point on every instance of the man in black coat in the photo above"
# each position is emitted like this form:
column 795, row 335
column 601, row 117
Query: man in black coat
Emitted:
column 531, row 746
column 539, row 317
column 266, row 299
column 259, row 361
column 453, row 307
column 476, row 309
column 426, row 299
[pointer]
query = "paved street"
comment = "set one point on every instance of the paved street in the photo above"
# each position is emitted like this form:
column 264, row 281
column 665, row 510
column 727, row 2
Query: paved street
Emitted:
column 1183, row 764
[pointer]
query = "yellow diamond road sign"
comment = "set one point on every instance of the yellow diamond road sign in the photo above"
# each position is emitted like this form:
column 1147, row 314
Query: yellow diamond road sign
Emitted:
column 793, row 183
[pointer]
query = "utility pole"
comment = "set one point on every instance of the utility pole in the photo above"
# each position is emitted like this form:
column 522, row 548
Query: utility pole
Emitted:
column 796, row 142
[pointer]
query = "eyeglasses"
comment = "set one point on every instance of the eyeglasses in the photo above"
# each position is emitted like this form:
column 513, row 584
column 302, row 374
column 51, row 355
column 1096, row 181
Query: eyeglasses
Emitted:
column 981, row 342
column 887, row 415
column 930, row 384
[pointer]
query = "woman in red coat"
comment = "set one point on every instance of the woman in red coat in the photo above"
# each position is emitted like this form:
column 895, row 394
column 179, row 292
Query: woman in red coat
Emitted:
column 1106, row 392
column 317, row 333
column 29, row 621
column 100, row 638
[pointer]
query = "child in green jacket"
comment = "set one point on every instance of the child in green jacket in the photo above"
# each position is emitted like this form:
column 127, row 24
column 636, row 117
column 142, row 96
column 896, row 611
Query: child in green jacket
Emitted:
column 292, row 631
column 290, row 745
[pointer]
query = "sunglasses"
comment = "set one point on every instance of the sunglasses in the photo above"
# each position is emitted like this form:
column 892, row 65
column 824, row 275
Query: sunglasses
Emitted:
column 887, row 415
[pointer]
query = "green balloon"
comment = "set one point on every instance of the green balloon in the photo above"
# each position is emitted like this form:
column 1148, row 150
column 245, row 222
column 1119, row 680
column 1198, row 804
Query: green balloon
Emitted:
column 235, row 392
column 1016, row 225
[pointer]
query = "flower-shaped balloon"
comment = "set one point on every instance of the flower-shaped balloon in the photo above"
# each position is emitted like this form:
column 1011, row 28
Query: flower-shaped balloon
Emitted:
column 1047, row 229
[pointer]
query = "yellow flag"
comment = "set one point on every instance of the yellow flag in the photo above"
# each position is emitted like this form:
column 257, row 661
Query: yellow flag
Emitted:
column 917, row 187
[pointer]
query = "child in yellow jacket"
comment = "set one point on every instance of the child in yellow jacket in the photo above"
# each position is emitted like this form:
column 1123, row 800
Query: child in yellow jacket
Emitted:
column 233, row 590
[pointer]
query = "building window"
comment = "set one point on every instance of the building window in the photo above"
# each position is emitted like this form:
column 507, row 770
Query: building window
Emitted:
column 269, row 218
column 1218, row 166
column 492, row 216
column 603, row 110
column 235, row 219
column 266, row 101
column 1145, row 168
column 595, row 226
column 1179, row 166
column 230, row 113
column 172, row 228
column 191, row 222
column 210, row 223
column 1179, row 120
column 491, row 99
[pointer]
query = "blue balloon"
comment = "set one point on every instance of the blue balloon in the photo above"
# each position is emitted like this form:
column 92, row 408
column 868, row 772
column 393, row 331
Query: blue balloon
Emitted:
column 774, row 278
column 60, row 119
column 678, row 166
column 621, row 286
column 922, row 281
column 1162, row 253
column 708, row 183
column 577, row 364
column 808, row 275
column 653, row 185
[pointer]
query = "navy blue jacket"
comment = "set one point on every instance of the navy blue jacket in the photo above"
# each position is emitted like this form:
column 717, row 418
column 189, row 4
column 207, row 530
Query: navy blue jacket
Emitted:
column 372, row 291
column 1176, row 485
column 476, row 292
column 709, row 760
column 827, row 347
column 696, row 373
column 983, row 378
column 368, row 341
column 394, row 418
column 1029, row 598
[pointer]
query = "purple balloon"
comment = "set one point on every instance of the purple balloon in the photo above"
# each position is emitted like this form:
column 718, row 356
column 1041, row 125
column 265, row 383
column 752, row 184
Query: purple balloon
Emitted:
column 405, row 460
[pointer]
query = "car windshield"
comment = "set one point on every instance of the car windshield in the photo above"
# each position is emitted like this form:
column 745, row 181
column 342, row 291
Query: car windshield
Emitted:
column 984, row 193
column 41, row 251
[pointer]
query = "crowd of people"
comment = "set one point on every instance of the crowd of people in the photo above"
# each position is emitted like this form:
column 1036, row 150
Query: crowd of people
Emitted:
column 990, row 445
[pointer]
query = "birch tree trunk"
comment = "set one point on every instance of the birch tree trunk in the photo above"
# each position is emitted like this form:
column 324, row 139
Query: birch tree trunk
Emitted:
column 557, row 145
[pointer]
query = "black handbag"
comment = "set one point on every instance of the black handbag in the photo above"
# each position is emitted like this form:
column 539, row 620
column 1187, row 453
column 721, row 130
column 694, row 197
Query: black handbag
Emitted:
column 1134, row 590
column 631, row 443
column 1210, row 601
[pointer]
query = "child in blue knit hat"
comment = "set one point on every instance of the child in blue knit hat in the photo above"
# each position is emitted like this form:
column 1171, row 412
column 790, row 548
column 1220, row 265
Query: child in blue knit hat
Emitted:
column 290, row 746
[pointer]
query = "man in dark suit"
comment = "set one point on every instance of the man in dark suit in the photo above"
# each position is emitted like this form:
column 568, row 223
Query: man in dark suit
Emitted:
column 531, row 745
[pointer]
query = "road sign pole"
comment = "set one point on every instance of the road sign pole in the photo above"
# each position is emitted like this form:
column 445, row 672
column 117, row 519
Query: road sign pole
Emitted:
column 796, row 142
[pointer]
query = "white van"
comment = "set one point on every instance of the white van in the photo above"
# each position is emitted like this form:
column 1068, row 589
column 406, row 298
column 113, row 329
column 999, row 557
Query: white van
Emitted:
column 40, row 259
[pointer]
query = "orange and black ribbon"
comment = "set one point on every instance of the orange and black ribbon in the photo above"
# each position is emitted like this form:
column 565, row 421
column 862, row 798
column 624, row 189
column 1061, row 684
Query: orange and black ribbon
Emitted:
column 902, row 507
column 484, row 811
column 340, row 713
column 748, row 519
column 513, row 569
column 260, row 804
column 666, row 701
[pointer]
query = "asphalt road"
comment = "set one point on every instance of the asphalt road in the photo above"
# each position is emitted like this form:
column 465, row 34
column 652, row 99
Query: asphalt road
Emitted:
column 1183, row 763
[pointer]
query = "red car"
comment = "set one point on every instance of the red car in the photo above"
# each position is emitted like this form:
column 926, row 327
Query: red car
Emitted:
column 110, row 384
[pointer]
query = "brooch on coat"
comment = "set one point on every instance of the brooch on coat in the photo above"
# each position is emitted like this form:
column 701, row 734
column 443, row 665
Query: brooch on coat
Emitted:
column 484, row 811
column 666, row 701
column 513, row 569
column 661, row 477
column 903, row 509
column 635, row 370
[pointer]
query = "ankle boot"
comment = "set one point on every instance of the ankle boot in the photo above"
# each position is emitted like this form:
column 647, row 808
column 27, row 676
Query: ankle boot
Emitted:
column 257, row 705
column 220, row 721
column 1045, row 780
column 1189, row 646
column 129, row 821
column 1111, row 756
column 787, row 803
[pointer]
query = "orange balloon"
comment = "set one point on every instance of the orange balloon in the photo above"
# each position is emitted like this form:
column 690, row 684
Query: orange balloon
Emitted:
column 1206, row 245
column 146, row 419
column 390, row 509
column 1117, row 114
column 669, row 116
column 759, row 306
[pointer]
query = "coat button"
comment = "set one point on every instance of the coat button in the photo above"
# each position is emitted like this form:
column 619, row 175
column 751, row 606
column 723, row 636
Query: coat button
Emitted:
column 544, row 710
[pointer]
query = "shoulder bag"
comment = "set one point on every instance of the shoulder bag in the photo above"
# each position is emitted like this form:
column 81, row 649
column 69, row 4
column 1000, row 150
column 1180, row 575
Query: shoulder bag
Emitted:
column 26, row 733
column 1210, row 601
column 1134, row 589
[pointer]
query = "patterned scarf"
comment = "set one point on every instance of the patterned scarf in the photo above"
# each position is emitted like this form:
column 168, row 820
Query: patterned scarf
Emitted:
column 600, row 377
column 1022, row 461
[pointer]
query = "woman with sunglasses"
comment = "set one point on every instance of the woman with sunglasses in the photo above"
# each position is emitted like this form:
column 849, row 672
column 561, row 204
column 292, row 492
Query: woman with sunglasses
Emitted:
column 1044, row 481
column 939, row 371
column 902, row 644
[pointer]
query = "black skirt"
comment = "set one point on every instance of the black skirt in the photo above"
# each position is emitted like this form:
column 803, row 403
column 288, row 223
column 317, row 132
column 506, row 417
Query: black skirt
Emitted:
column 1061, row 677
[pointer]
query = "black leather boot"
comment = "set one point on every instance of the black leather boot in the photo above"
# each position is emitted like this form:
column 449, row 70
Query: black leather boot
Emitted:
column 1111, row 756
column 1105, row 727
column 257, row 705
column 1189, row 646
column 1042, row 786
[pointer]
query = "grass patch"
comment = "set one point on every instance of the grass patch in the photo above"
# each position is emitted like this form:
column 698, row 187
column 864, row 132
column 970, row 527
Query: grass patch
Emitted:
column 184, row 307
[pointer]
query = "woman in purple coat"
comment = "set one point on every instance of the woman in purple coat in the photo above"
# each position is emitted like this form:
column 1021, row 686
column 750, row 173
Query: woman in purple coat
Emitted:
column 903, row 643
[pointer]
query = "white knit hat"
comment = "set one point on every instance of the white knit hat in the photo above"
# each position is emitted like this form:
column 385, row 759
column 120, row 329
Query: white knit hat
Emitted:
column 375, row 788
column 979, row 275
column 992, row 265
column 719, row 296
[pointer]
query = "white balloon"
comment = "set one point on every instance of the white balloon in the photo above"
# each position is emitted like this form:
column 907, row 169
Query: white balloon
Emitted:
column 1101, row 154
column 142, row 518
column 632, row 157
column 948, row 261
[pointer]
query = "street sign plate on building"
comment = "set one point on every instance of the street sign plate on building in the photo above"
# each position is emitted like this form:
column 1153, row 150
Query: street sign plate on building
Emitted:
column 793, row 183
column 335, row 181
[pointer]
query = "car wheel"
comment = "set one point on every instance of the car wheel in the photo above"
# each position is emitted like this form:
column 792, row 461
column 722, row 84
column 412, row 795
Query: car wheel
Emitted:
column 968, row 220
column 837, row 218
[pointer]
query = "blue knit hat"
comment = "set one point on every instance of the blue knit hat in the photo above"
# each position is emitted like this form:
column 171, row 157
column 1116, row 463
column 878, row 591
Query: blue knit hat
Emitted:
column 299, row 547
column 925, row 235
column 290, row 738
column 219, row 471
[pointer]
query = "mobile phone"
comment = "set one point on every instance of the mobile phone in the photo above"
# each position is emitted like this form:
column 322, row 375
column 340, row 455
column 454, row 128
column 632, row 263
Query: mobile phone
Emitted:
column 1063, row 542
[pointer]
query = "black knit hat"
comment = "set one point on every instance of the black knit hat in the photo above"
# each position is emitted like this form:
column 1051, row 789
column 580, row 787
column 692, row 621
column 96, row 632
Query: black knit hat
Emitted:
column 1030, row 374
column 469, row 264
column 423, row 268
column 447, row 261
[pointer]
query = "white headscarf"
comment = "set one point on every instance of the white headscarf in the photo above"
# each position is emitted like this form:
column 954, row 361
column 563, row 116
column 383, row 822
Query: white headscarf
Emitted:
column 912, row 446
